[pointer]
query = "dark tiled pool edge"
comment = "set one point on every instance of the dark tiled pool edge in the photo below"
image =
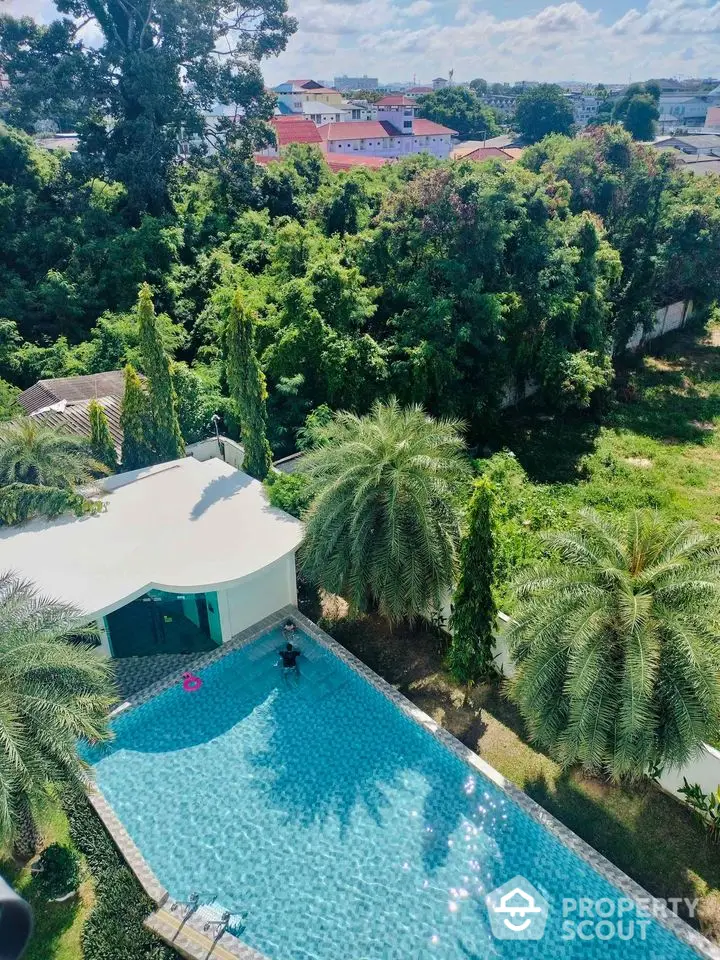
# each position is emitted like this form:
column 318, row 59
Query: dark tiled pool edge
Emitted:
column 233, row 945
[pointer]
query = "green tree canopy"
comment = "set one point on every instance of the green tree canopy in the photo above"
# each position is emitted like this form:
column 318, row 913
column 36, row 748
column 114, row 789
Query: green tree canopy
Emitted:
column 383, row 529
column 637, row 110
column 543, row 110
column 616, row 643
column 247, row 388
column 472, row 624
column 54, row 693
column 461, row 110
column 102, row 445
column 35, row 454
column 137, row 450
column 167, row 441
column 147, row 84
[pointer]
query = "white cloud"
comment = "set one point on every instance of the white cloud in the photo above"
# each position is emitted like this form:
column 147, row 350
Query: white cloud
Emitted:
column 426, row 38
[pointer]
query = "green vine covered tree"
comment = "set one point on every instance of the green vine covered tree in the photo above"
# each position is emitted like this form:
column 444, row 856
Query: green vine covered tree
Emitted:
column 136, row 449
column 474, row 612
column 247, row 389
column 101, row 441
column 167, row 440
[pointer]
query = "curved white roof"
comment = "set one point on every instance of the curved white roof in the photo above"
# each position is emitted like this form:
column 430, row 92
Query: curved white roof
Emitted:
column 179, row 526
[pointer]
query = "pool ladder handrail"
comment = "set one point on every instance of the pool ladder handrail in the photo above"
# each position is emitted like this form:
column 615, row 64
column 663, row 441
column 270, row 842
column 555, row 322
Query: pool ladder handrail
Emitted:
column 191, row 904
column 222, row 924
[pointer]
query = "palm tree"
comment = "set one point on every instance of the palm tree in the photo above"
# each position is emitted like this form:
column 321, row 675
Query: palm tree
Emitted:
column 383, row 528
column 53, row 693
column 43, row 456
column 617, row 644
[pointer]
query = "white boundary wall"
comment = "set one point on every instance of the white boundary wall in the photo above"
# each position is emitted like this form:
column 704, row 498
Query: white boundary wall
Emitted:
column 704, row 769
column 669, row 318
column 221, row 448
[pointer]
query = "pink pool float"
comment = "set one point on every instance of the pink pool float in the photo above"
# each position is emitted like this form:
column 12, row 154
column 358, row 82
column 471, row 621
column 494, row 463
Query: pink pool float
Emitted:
column 191, row 682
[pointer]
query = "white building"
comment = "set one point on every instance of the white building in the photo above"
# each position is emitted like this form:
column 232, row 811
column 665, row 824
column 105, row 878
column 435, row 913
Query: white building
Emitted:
column 184, row 556
column 585, row 108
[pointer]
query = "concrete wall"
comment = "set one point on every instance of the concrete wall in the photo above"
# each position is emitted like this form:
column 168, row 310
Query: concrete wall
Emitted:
column 257, row 596
column 704, row 769
column 669, row 318
column 228, row 450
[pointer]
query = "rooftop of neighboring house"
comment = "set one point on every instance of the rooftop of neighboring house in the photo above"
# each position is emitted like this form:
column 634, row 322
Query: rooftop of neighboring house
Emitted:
column 417, row 91
column 702, row 142
column 369, row 129
column 294, row 129
column 47, row 393
column 713, row 117
column 183, row 525
column 488, row 153
column 346, row 161
column 303, row 86
column 395, row 100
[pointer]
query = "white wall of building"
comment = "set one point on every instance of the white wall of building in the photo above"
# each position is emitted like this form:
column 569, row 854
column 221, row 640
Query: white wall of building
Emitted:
column 257, row 596
column 400, row 146
column 221, row 448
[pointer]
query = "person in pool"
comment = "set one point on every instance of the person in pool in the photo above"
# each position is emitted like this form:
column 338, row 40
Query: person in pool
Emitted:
column 289, row 656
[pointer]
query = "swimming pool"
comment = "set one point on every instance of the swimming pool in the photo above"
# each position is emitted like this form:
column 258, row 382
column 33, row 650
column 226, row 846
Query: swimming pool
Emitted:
column 338, row 827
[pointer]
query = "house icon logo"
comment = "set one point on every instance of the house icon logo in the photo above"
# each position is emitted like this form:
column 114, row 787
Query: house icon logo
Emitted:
column 517, row 911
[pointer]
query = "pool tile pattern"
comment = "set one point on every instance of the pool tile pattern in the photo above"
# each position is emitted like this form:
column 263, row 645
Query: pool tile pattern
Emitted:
column 150, row 883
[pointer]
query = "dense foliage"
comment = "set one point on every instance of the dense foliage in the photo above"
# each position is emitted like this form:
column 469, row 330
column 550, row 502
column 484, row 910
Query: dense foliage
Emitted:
column 462, row 110
column 543, row 110
column 24, row 501
column 102, row 445
column 637, row 109
column 383, row 528
column 247, row 389
column 615, row 637
column 31, row 453
column 163, row 426
column 449, row 285
column 115, row 928
column 59, row 871
column 147, row 84
column 472, row 623
column 53, row 693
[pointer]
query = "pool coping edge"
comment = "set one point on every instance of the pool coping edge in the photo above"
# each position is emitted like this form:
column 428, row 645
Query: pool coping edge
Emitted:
column 593, row 858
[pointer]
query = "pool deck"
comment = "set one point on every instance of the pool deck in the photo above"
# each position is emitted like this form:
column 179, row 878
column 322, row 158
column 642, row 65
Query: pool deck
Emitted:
column 185, row 933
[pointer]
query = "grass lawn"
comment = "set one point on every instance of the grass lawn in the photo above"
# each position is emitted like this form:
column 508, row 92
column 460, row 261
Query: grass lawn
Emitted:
column 58, row 926
column 648, row 834
column 658, row 446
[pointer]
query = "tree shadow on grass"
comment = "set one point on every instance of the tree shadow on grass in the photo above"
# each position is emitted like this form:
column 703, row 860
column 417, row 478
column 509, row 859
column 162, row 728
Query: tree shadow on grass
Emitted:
column 51, row 922
column 550, row 447
column 664, row 848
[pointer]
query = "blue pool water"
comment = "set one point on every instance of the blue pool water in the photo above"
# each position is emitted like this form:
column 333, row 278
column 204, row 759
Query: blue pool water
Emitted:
column 339, row 826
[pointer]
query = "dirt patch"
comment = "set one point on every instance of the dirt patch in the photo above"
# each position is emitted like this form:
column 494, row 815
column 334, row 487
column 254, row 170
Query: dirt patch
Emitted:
column 713, row 337
column 662, row 365
column 642, row 462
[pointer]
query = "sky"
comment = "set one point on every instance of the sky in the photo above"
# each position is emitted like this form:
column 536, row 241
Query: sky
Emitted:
column 501, row 40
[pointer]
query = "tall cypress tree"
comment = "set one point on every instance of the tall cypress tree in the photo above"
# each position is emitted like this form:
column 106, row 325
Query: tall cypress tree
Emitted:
column 248, row 389
column 101, row 442
column 167, row 440
column 474, row 612
column 135, row 415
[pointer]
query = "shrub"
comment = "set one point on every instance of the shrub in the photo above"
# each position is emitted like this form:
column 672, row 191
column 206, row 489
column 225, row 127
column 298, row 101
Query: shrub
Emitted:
column 115, row 928
column 23, row 501
column 59, row 872
column 290, row 492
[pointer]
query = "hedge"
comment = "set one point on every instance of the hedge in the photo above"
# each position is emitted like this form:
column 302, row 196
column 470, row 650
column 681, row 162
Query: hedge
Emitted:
column 114, row 930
